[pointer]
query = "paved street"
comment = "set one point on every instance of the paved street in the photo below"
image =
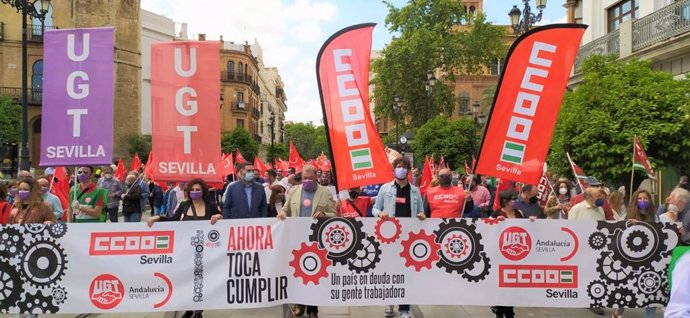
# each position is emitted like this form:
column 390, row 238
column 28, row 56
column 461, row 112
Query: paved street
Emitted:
column 377, row 312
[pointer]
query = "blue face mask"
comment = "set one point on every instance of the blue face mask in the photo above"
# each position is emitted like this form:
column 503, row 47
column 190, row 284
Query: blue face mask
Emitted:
column 249, row 176
column 599, row 202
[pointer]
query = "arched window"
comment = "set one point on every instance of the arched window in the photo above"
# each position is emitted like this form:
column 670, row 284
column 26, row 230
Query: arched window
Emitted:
column 37, row 81
column 231, row 70
column 36, row 23
column 240, row 71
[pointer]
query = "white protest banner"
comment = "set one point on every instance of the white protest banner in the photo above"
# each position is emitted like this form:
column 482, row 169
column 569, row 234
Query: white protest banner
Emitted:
column 80, row 268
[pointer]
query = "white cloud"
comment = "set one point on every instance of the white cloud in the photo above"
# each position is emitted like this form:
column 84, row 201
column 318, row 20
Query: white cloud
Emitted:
column 545, row 21
column 288, row 34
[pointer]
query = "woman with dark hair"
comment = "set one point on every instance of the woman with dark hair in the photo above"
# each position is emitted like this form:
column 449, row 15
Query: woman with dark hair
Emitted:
column 28, row 207
column 558, row 205
column 5, row 207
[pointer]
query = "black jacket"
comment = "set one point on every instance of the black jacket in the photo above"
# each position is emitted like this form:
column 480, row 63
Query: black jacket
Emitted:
column 132, row 200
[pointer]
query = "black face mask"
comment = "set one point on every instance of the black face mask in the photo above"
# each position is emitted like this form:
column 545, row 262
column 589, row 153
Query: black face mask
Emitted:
column 353, row 194
column 444, row 180
column 533, row 200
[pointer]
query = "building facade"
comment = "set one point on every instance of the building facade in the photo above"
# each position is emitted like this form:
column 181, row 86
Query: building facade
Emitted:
column 62, row 14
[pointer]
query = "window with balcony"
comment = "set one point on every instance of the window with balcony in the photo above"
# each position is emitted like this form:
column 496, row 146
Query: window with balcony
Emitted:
column 464, row 103
column 37, row 81
column 621, row 12
column 240, row 123
column 495, row 67
column 231, row 70
column 240, row 71
column 240, row 100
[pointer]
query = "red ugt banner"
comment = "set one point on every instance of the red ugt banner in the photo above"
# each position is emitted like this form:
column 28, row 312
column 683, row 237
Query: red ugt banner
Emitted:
column 184, row 107
column 342, row 71
column 526, row 105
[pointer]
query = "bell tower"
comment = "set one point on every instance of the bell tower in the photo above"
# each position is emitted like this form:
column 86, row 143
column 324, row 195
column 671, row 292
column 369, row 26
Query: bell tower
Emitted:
column 473, row 6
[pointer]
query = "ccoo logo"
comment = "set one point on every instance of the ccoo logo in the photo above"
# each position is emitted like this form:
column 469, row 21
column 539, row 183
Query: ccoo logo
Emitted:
column 515, row 243
column 106, row 291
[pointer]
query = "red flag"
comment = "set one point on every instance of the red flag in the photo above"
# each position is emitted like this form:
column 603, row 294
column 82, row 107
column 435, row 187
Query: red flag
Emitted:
column 343, row 78
column 60, row 188
column 148, row 170
column 136, row 162
column 326, row 166
column 502, row 185
column 269, row 166
column 442, row 164
column 120, row 171
column 544, row 189
column 259, row 165
column 228, row 166
column 432, row 164
column 468, row 170
column 238, row 157
column 474, row 163
column 527, row 102
column 640, row 160
column 427, row 174
column 578, row 172
column 295, row 161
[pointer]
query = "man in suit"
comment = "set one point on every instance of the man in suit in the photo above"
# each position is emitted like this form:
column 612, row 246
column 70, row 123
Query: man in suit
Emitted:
column 246, row 198
column 308, row 199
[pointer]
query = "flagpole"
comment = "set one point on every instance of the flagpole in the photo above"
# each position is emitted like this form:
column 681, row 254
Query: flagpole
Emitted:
column 632, row 173
column 570, row 162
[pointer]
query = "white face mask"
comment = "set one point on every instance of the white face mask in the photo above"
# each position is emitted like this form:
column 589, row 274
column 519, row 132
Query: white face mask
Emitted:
column 563, row 190
column 673, row 208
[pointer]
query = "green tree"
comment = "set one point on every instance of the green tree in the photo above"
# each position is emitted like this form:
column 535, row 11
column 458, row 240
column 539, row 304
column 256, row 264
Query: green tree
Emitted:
column 616, row 101
column 140, row 144
column 10, row 119
column 431, row 35
column 277, row 151
column 240, row 138
column 309, row 139
column 454, row 139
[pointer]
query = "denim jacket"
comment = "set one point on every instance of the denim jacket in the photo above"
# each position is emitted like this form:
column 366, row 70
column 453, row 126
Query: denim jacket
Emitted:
column 385, row 200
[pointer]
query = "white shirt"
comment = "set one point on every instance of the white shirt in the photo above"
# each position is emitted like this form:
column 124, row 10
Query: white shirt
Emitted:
column 679, row 302
column 584, row 211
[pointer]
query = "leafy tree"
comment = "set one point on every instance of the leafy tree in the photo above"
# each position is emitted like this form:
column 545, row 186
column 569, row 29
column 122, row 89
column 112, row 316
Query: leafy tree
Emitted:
column 10, row 119
column 432, row 35
column 140, row 144
column 454, row 139
column 240, row 138
column 309, row 139
column 277, row 151
column 616, row 101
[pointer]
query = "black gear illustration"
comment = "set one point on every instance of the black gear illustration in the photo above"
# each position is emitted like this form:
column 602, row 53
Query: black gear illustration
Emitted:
column 672, row 231
column 643, row 255
column 59, row 295
column 10, row 286
column 343, row 251
column 650, row 300
column 621, row 298
column 597, row 291
column 482, row 275
column 57, row 230
column 35, row 228
column 612, row 270
column 637, row 241
column 37, row 304
column 367, row 258
column 597, row 240
column 470, row 256
column 649, row 282
column 44, row 263
column 610, row 226
column 11, row 242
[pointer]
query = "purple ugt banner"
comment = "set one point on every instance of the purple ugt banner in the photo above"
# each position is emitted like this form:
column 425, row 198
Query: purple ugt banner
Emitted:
column 77, row 122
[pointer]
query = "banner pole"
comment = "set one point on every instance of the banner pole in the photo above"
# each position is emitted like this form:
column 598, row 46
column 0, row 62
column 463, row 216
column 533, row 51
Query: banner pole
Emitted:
column 632, row 173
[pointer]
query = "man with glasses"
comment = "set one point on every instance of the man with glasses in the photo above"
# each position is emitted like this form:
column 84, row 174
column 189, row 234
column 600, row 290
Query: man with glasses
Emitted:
column 87, row 200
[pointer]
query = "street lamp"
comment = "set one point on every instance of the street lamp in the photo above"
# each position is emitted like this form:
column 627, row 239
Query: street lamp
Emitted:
column 272, row 125
column 28, row 9
column 397, row 105
column 429, row 86
column 523, row 25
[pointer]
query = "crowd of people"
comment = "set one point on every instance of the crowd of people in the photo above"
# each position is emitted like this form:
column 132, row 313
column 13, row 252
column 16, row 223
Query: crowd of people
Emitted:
column 96, row 196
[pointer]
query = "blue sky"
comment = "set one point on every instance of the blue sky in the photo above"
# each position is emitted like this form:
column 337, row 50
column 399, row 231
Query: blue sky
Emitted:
column 292, row 31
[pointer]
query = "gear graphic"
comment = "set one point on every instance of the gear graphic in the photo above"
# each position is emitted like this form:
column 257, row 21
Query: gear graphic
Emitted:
column 57, row 230
column 341, row 237
column 384, row 239
column 640, row 255
column 10, row 286
column 456, row 246
column 637, row 241
column 597, row 240
column 337, row 237
column 310, row 263
column 490, row 221
column 459, row 231
column 650, row 300
column 612, row 270
column 37, row 304
column 649, row 282
column 367, row 258
column 610, row 226
column 59, row 295
column 673, row 237
column 468, row 275
column 11, row 242
column 621, row 298
column 44, row 263
column 420, row 250
column 35, row 228
column 597, row 293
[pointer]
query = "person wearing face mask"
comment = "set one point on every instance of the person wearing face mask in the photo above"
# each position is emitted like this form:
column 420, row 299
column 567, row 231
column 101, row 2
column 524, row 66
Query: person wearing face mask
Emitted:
column 557, row 206
column 131, row 199
column 115, row 190
column 356, row 205
column 481, row 197
column 86, row 200
column 590, row 208
column 11, row 191
column 308, row 199
column 446, row 201
column 592, row 182
column 5, row 207
column 29, row 207
column 50, row 198
column 528, row 202
column 678, row 205
column 245, row 198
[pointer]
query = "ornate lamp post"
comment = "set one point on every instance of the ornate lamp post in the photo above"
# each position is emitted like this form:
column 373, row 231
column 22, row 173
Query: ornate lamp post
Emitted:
column 523, row 25
column 429, row 86
column 397, row 106
column 28, row 9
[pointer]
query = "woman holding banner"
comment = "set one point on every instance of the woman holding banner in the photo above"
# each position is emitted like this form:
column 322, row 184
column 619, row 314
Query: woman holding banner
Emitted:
column 28, row 207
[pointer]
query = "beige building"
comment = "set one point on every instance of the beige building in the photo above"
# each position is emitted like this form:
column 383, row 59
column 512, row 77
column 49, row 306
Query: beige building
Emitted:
column 63, row 14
